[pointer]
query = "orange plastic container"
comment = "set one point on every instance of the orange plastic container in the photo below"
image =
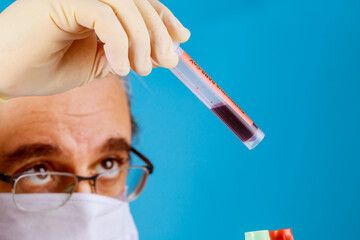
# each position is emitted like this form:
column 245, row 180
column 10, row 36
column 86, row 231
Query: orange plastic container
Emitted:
column 283, row 234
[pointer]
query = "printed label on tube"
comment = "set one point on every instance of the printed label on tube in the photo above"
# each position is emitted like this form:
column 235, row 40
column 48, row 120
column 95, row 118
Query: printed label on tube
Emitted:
column 201, row 73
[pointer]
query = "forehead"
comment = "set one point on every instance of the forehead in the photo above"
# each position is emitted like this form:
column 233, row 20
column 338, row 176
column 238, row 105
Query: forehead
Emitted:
column 84, row 116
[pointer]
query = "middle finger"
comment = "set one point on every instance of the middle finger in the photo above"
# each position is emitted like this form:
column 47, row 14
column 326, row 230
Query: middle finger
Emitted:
column 135, row 28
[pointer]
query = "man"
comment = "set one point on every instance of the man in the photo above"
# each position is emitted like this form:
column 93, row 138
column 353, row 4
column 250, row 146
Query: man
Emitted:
column 84, row 132
column 57, row 151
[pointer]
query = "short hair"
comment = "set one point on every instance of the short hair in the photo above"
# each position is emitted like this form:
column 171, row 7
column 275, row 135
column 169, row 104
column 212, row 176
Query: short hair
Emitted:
column 125, row 83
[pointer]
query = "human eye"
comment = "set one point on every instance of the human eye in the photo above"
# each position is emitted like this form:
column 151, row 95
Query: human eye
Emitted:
column 110, row 163
column 40, row 178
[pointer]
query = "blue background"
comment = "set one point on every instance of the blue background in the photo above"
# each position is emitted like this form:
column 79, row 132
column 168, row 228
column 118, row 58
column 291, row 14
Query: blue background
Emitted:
column 294, row 68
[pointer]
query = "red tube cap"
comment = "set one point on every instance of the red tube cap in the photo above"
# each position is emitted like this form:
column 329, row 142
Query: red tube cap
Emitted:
column 283, row 234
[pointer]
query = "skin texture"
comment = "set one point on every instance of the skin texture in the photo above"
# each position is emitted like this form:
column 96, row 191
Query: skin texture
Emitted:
column 85, row 134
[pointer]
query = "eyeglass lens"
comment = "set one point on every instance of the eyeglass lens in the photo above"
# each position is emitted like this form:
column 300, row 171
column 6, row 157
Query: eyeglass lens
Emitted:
column 124, row 184
column 40, row 183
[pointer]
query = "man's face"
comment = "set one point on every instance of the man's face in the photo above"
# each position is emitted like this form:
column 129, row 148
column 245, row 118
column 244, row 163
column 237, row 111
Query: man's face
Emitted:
column 84, row 131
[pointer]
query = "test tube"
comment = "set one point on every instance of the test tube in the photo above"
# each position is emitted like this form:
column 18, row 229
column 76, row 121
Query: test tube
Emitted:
column 192, row 75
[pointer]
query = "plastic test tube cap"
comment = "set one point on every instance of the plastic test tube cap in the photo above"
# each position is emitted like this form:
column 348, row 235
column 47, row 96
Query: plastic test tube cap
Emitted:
column 283, row 234
column 255, row 140
column 258, row 235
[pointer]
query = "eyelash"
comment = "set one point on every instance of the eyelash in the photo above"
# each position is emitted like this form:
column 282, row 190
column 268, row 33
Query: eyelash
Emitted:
column 119, row 160
column 34, row 164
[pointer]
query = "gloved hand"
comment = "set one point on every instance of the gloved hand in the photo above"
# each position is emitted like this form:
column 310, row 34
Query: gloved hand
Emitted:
column 51, row 46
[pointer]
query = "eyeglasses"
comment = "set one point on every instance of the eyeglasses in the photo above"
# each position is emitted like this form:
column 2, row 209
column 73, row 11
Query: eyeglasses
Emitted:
column 125, row 183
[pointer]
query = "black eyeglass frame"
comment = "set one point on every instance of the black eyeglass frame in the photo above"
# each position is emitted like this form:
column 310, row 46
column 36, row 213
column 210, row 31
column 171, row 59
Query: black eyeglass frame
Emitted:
column 12, row 179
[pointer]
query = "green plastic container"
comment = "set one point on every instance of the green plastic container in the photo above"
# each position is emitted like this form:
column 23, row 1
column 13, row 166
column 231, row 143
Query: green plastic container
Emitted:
column 258, row 235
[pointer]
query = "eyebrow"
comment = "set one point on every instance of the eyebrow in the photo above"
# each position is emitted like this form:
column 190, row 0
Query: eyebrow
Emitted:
column 115, row 144
column 27, row 151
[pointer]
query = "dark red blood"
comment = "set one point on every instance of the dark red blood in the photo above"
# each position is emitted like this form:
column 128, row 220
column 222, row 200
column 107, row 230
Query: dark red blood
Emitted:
column 234, row 121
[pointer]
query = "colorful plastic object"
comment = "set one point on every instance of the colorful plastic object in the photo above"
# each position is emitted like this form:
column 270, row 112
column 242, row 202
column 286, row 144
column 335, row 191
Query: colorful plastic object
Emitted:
column 282, row 234
column 258, row 235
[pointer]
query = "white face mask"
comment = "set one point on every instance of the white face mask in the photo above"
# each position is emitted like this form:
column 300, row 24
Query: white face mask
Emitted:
column 84, row 216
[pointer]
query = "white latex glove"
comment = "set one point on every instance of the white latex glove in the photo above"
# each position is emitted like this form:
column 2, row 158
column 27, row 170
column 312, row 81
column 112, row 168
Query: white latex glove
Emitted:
column 51, row 46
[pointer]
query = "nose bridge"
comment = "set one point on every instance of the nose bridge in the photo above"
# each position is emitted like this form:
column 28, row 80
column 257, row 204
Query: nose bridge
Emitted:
column 85, row 185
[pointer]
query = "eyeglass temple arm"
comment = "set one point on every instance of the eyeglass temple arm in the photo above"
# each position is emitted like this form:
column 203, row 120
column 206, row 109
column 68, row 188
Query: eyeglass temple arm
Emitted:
column 150, row 166
column 7, row 178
